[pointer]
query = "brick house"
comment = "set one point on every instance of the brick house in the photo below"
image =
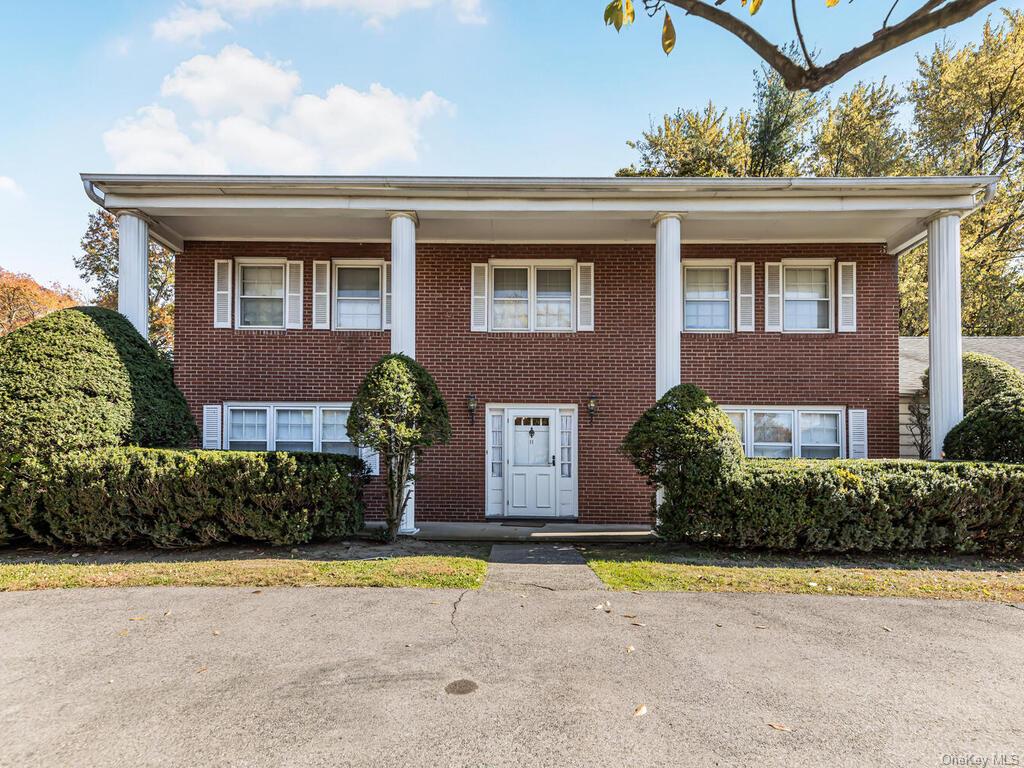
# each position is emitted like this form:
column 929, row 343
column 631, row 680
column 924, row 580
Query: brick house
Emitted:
column 551, row 311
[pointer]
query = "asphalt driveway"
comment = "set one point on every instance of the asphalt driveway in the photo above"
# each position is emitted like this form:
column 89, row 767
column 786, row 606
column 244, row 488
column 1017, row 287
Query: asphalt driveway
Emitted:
column 339, row 677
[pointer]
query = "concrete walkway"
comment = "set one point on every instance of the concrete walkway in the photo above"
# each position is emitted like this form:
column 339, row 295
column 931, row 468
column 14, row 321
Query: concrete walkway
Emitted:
column 552, row 567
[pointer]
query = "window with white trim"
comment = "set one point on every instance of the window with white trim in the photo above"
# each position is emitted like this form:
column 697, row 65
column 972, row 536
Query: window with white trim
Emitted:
column 261, row 294
column 532, row 297
column 707, row 295
column 807, row 296
column 783, row 433
column 289, row 427
column 358, row 295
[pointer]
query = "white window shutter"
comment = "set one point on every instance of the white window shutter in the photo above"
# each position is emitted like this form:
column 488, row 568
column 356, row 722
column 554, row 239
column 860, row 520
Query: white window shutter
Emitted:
column 211, row 427
column 585, row 297
column 478, row 311
column 847, row 296
column 222, row 293
column 745, row 296
column 858, row 438
column 773, row 297
column 387, row 294
column 321, row 294
column 293, row 302
column 372, row 459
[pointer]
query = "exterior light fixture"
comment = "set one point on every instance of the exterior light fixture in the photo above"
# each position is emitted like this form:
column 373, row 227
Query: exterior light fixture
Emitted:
column 471, row 407
column 592, row 407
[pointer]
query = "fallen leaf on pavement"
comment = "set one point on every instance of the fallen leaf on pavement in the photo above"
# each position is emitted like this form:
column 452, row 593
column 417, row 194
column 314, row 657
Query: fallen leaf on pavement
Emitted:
column 638, row 624
column 137, row 618
column 640, row 711
column 216, row 632
column 257, row 591
column 123, row 633
column 629, row 615
column 887, row 629
column 718, row 625
column 167, row 613
column 780, row 727
column 630, row 649
column 201, row 669
column 760, row 626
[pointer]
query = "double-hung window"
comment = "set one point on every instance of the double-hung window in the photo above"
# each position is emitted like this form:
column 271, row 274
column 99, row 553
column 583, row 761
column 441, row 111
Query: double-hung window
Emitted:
column 359, row 296
column 289, row 427
column 261, row 294
column 707, row 295
column 535, row 297
column 807, row 295
column 783, row 433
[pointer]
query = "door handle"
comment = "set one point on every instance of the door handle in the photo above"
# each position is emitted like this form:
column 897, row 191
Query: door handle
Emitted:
column 552, row 460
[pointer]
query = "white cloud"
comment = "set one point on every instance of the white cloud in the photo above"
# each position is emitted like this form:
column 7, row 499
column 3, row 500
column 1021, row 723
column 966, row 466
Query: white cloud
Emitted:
column 151, row 142
column 187, row 24
column 10, row 186
column 193, row 22
column 233, row 81
column 252, row 119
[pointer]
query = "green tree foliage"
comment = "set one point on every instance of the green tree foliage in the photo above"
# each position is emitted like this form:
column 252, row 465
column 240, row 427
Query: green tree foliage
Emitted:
column 966, row 116
column 860, row 134
column 398, row 412
column 97, row 264
column 84, row 378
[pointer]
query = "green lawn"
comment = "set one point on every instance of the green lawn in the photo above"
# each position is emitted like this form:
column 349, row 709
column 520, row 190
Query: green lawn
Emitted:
column 665, row 570
column 413, row 571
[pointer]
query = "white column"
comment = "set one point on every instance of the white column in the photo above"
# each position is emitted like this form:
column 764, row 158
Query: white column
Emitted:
column 403, row 314
column 946, row 378
column 133, row 270
column 403, row 283
column 668, row 310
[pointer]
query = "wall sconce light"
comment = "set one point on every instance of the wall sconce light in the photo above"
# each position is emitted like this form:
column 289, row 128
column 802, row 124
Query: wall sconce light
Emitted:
column 592, row 407
column 471, row 407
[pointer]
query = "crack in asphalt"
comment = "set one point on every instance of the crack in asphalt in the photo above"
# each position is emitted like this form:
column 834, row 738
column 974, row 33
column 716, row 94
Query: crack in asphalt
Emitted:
column 455, row 608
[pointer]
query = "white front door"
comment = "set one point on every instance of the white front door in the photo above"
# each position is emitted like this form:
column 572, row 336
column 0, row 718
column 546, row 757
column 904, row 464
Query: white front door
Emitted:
column 532, row 448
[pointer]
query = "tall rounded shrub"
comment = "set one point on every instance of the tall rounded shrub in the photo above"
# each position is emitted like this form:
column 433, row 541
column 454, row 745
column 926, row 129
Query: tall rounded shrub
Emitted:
column 984, row 376
column 687, row 448
column 84, row 378
column 398, row 412
column 991, row 431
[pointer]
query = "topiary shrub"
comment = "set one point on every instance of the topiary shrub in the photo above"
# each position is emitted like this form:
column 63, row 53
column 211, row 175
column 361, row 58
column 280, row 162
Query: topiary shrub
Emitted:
column 84, row 378
column 686, row 447
column 984, row 376
column 398, row 412
column 172, row 498
column 991, row 431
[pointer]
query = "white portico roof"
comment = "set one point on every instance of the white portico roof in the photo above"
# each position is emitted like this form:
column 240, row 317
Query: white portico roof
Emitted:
column 893, row 210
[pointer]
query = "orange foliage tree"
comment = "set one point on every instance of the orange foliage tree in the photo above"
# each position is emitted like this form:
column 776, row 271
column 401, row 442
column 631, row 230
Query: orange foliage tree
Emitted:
column 22, row 299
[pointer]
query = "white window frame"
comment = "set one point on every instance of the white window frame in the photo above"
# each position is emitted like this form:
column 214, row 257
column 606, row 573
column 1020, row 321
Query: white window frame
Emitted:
column 711, row 264
column 532, row 265
column 337, row 264
column 261, row 262
column 271, row 409
column 798, row 263
column 795, row 411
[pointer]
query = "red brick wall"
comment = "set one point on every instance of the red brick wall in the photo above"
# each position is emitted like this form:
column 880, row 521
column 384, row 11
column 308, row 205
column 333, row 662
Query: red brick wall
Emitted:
column 615, row 362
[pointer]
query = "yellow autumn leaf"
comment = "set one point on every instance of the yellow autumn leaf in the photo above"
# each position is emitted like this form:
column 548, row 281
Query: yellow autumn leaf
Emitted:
column 628, row 14
column 755, row 6
column 668, row 35
column 831, row 3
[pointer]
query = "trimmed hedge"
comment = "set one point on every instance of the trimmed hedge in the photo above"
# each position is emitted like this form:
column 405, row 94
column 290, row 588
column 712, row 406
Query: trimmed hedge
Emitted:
column 710, row 494
column 84, row 378
column 859, row 506
column 169, row 498
column 992, row 431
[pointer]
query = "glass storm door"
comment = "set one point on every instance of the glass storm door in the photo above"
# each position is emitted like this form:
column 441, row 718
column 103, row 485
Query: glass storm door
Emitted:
column 531, row 489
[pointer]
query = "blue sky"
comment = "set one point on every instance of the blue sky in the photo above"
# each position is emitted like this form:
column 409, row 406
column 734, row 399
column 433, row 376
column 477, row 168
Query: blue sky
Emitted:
column 459, row 87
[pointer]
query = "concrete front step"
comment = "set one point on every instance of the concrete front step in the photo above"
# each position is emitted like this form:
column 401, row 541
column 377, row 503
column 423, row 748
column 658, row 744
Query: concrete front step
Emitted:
column 535, row 532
